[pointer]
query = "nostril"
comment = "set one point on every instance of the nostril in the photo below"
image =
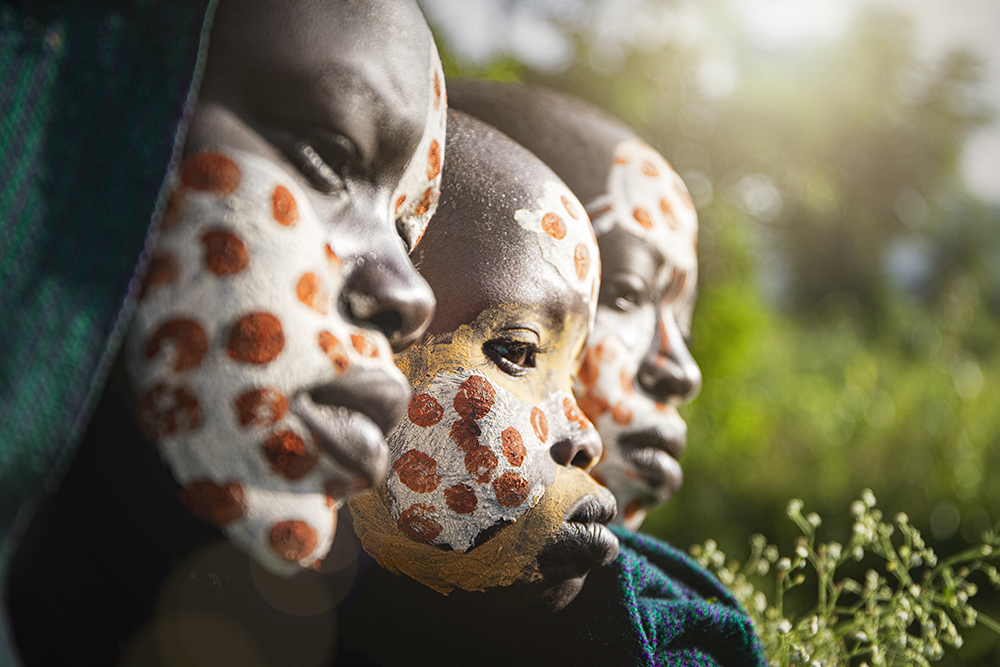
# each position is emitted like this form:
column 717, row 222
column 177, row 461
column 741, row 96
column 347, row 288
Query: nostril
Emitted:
column 390, row 322
column 581, row 460
column 393, row 298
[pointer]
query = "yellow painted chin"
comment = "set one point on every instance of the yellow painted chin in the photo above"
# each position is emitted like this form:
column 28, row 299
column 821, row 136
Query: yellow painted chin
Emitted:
column 507, row 558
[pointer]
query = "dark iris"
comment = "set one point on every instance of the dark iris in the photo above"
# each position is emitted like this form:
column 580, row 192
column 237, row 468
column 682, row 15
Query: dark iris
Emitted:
column 512, row 356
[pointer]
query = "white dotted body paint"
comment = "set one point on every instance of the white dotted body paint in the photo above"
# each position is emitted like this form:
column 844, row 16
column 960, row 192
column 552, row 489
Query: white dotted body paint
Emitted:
column 416, row 197
column 566, row 239
column 471, row 457
column 237, row 320
column 647, row 199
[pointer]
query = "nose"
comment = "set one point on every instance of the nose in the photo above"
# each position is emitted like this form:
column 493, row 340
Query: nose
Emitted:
column 582, row 450
column 669, row 373
column 391, row 296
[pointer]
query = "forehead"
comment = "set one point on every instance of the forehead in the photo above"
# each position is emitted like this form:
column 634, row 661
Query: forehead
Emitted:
column 507, row 232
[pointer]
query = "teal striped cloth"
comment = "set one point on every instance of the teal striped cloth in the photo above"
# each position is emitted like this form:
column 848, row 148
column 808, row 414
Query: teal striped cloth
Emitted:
column 93, row 96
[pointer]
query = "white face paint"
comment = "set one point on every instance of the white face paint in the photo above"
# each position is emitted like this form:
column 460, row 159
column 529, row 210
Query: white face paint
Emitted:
column 566, row 240
column 641, row 332
column 416, row 197
column 238, row 321
column 471, row 456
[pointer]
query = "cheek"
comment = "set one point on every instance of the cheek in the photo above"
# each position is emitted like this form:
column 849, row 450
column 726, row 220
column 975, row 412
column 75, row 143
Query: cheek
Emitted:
column 469, row 456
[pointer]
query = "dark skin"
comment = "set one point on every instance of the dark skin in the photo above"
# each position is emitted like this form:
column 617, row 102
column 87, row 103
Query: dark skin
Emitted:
column 111, row 560
column 578, row 141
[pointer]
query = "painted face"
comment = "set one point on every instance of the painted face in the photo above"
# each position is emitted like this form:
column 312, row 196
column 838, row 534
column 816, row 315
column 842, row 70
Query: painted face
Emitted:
column 487, row 465
column 260, row 354
column 637, row 368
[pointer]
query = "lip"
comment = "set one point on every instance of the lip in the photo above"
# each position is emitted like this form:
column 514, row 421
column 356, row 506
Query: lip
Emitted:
column 583, row 542
column 654, row 454
column 350, row 418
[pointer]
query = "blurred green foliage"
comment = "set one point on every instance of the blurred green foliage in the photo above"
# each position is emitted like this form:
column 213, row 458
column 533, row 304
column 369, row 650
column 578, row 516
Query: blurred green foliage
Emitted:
column 828, row 367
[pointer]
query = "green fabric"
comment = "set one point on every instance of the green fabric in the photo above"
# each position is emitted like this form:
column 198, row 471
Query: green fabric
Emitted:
column 92, row 95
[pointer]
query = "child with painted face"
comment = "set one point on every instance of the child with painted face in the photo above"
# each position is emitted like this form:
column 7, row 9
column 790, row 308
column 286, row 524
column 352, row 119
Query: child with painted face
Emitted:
column 278, row 286
column 487, row 498
column 488, row 469
column 637, row 369
column 259, row 351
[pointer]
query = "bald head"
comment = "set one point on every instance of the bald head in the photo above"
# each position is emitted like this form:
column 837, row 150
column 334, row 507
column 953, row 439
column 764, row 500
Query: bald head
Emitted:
column 505, row 230
column 576, row 139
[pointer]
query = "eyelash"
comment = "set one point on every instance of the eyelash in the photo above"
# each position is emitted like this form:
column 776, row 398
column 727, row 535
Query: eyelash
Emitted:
column 501, row 351
column 324, row 157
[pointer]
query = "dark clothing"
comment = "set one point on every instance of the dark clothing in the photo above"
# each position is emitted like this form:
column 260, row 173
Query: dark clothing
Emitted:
column 92, row 99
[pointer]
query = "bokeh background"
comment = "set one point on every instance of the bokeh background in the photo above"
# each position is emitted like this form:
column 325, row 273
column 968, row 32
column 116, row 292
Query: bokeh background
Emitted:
column 844, row 156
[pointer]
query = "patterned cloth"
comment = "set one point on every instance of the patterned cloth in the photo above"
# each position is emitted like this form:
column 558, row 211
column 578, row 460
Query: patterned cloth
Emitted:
column 664, row 609
column 652, row 606
column 92, row 99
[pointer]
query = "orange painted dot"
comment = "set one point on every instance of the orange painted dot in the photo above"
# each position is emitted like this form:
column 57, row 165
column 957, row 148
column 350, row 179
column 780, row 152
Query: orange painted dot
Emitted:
column 293, row 540
column 632, row 508
column 210, row 172
column 365, row 347
column 581, row 260
column 590, row 368
column 512, row 445
column 627, row 382
column 416, row 524
column 480, row 462
column 553, row 225
column 650, row 169
column 540, row 424
column 465, row 433
column 399, row 202
column 621, row 415
column 163, row 270
column 461, row 499
column 426, row 201
column 568, row 205
column 334, row 350
column 310, row 292
column 260, row 407
column 433, row 160
column 331, row 257
column 684, row 194
column 167, row 410
column 283, row 207
column 642, row 217
column 225, row 253
column 593, row 405
column 289, row 455
column 417, row 471
column 219, row 504
column 424, row 410
column 175, row 208
column 475, row 398
column 189, row 341
column 574, row 414
column 511, row 489
column 619, row 159
column 437, row 91
column 256, row 338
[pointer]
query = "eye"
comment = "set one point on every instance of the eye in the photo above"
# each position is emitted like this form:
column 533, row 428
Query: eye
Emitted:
column 514, row 357
column 324, row 157
column 625, row 292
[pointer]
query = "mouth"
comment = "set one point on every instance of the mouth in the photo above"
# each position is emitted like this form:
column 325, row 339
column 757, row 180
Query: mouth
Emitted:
column 584, row 541
column 350, row 418
column 653, row 454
